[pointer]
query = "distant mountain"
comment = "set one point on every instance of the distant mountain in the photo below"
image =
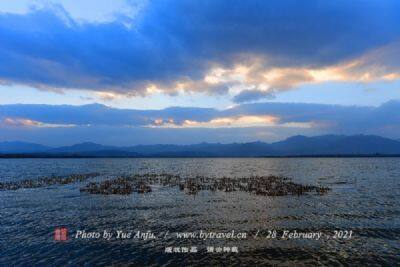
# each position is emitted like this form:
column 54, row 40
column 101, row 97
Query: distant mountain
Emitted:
column 205, row 149
column 337, row 145
column 96, row 154
column 302, row 145
column 365, row 144
column 324, row 145
column 82, row 147
column 21, row 147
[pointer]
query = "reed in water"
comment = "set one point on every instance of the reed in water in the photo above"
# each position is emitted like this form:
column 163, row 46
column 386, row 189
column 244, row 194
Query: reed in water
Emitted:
column 259, row 185
column 47, row 181
column 141, row 183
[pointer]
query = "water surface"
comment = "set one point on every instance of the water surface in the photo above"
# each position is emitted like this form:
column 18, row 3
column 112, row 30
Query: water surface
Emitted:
column 365, row 198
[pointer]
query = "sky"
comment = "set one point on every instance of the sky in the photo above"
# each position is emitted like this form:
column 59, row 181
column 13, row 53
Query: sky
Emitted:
column 127, row 72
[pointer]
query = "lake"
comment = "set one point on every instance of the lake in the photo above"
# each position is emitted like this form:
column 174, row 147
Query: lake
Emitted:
column 364, row 199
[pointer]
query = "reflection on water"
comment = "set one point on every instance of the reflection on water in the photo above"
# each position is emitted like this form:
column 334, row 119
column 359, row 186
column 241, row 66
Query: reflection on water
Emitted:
column 365, row 198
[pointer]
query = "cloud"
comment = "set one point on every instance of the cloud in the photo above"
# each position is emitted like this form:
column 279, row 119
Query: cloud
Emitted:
column 266, row 120
column 94, row 11
column 107, row 96
column 251, row 95
column 381, row 64
column 274, row 46
column 218, row 122
column 245, row 121
column 21, row 122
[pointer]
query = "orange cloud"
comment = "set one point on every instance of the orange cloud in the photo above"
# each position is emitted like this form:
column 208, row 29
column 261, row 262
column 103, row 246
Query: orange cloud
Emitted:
column 22, row 122
column 231, row 122
column 257, row 73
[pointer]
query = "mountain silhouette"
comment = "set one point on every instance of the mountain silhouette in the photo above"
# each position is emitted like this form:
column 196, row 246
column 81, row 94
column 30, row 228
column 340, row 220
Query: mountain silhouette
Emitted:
column 324, row 145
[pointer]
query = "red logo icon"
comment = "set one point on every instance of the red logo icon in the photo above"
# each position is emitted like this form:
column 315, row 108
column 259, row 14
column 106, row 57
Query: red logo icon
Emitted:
column 60, row 234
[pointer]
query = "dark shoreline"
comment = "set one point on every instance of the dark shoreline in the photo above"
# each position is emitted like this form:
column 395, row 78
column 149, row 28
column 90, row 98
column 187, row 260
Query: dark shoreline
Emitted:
column 67, row 156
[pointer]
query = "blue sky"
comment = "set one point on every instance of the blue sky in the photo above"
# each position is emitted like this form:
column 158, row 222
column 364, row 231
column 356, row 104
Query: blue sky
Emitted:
column 143, row 57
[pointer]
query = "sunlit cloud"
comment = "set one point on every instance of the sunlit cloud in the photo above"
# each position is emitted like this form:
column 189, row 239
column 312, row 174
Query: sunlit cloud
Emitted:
column 262, row 81
column 107, row 96
column 239, row 121
column 22, row 122
column 242, row 121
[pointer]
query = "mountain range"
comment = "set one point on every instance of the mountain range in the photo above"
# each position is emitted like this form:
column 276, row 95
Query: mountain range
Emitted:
column 324, row 145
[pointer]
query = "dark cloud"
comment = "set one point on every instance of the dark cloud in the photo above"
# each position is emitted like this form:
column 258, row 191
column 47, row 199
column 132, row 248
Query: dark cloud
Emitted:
column 173, row 41
column 252, row 95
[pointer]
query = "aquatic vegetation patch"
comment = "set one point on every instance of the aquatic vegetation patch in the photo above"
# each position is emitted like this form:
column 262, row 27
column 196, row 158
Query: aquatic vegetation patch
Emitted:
column 142, row 183
column 47, row 181
column 118, row 186
column 259, row 185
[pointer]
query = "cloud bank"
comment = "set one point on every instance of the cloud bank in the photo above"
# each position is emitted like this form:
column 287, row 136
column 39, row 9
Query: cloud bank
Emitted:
column 253, row 49
column 247, row 122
